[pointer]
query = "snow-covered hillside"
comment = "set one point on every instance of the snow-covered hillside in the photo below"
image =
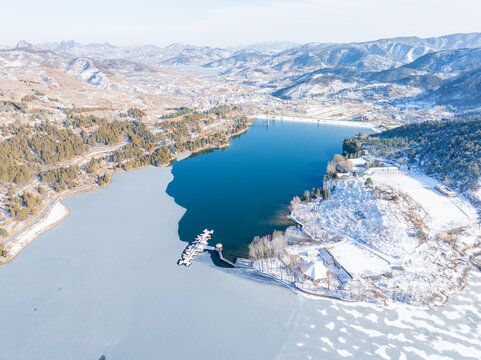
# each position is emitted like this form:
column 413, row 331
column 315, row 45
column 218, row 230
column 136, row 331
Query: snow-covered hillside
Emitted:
column 384, row 234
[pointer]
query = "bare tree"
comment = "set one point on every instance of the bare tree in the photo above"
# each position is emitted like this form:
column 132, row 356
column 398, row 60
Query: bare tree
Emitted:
column 307, row 196
column 331, row 167
column 255, row 249
column 279, row 241
column 284, row 258
column 339, row 163
column 290, row 261
column 331, row 280
column 294, row 202
column 260, row 249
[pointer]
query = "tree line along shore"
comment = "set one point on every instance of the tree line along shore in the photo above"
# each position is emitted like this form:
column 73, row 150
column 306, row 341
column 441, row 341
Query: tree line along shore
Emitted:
column 43, row 156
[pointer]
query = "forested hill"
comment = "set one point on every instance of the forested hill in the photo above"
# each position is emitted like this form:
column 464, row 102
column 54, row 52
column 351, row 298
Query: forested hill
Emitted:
column 447, row 150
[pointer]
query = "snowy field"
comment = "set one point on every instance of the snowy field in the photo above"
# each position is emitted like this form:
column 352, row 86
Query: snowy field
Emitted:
column 357, row 260
column 397, row 238
column 444, row 212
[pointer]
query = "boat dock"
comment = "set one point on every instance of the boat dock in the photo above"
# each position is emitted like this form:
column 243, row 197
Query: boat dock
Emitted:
column 197, row 246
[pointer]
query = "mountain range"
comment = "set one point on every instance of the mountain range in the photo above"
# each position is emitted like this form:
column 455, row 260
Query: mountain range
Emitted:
column 406, row 70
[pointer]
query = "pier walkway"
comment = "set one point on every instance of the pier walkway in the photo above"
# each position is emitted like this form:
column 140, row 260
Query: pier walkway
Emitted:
column 197, row 246
column 219, row 250
column 200, row 245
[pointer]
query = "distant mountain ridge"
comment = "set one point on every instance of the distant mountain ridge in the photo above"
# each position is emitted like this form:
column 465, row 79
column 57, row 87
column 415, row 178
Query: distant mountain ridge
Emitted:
column 282, row 56
column 464, row 91
column 28, row 62
column 367, row 56
column 269, row 46
column 173, row 54
column 448, row 61
column 438, row 70
column 443, row 71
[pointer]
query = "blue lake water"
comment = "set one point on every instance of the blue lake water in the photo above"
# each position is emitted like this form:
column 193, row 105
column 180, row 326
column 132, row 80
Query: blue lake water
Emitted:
column 105, row 281
column 245, row 189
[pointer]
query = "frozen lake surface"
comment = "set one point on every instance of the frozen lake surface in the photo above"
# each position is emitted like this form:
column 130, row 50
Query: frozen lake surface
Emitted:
column 105, row 282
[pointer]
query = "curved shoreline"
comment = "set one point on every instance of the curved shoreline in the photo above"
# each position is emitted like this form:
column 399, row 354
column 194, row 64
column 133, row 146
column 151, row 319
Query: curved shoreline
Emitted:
column 16, row 247
column 111, row 253
column 14, row 243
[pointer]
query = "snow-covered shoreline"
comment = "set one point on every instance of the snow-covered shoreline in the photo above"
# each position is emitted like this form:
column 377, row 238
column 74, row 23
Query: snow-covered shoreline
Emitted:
column 383, row 234
column 351, row 123
column 56, row 215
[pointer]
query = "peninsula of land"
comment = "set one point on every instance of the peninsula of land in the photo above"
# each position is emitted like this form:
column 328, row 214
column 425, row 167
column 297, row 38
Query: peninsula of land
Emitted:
column 385, row 226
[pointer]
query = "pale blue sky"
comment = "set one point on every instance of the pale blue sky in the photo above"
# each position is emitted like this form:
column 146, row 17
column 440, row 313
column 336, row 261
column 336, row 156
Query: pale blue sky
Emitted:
column 232, row 22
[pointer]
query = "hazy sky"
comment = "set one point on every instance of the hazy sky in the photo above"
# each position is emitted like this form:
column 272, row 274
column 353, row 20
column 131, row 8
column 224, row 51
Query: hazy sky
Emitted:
column 232, row 22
